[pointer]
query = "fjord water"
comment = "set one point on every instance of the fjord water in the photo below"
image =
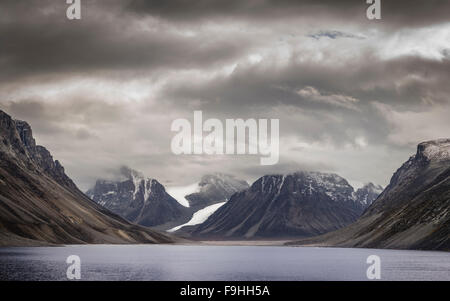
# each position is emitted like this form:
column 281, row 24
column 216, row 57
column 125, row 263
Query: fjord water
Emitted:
column 186, row 262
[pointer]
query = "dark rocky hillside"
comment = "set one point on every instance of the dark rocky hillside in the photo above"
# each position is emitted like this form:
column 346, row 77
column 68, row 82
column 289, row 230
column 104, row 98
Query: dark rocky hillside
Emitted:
column 280, row 206
column 413, row 212
column 40, row 204
column 140, row 200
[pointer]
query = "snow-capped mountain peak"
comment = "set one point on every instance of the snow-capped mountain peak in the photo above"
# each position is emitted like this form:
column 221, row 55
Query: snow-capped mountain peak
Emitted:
column 368, row 193
column 434, row 150
column 137, row 198
column 308, row 183
column 206, row 196
column 298, row 204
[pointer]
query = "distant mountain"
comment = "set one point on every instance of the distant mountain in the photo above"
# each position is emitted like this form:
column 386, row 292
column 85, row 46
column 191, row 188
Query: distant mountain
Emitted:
column 40, row 204
column 367, row 194
column 140, row 200
column 281, row 206
column 413, row 212
column 146, row 202
column 214, row 188
column 207, row 196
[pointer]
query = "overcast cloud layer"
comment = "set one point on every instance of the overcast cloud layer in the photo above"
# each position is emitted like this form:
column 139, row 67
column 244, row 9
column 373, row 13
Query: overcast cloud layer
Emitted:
column 353, row 96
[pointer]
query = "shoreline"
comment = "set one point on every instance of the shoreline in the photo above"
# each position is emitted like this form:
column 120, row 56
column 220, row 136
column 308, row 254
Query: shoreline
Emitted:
column 229, row 243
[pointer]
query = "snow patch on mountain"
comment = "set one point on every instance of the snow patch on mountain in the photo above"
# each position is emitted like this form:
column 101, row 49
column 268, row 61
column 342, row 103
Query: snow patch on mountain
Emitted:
column 147, row 188
column 179, row 193
column 199, row 217
column 334, row 186
column 367, row 194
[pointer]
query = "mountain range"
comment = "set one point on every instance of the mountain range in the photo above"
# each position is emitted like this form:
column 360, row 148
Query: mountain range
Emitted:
column 146, row 202
column 40, row 204
column 413, row 212
column 324, row 202
column 283, row 206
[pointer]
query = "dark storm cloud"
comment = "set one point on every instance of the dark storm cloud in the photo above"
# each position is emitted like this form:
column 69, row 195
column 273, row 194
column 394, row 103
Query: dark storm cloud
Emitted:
column 396, row 13
column 40, row 40
column 405, row 80
column 53, row 119
column 83, row 110
column 333, row 103
column 36, row 38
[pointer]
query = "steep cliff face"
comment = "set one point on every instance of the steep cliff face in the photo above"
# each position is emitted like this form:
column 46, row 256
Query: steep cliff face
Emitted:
column 146, row 202
column 280, row 206
column 41, row 156
column 140, row 200
column 413, row 212
column 431, row 159
column 40, row 204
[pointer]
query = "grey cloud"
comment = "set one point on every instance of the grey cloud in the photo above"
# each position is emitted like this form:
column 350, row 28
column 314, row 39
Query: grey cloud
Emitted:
column 84, row 134
column 286, row 167
column 110, row 37
column 41, row 41
column 312, row 94
column 394, row 13
column 334, row 103
column 54, row 119
column 334, row 34
column 404, row 80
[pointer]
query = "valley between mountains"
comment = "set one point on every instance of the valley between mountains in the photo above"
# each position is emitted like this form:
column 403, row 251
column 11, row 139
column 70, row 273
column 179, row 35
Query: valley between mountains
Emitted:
column 41, row 205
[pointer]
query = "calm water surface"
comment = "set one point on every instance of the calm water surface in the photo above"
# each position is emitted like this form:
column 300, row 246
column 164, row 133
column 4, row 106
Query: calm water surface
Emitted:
column 177, row 262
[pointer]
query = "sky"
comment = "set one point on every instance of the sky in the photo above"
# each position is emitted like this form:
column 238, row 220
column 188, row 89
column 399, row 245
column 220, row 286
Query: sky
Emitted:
column 353, row 96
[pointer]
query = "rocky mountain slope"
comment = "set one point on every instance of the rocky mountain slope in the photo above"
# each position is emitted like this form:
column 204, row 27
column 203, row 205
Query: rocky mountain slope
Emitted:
column 413, row 212
column 40, row 204
column 140, row 200
column 281, row 206
column 146, row 202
